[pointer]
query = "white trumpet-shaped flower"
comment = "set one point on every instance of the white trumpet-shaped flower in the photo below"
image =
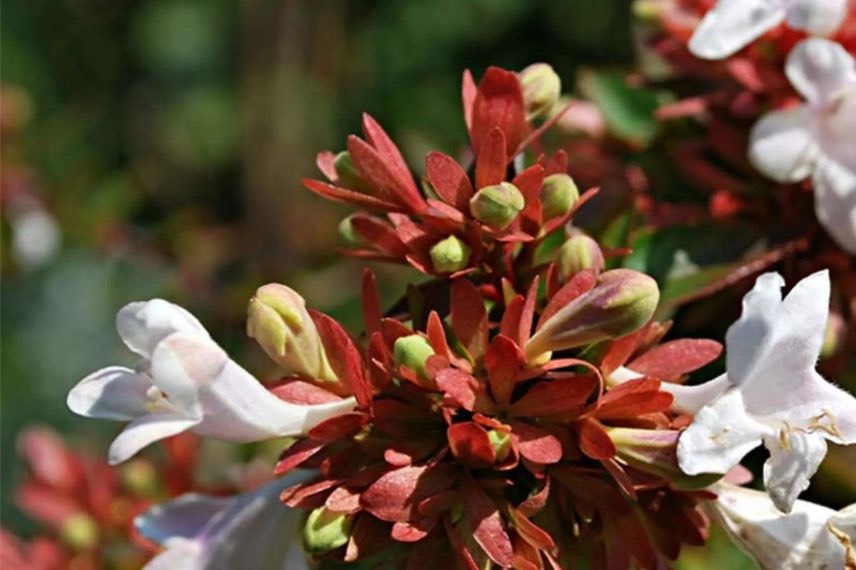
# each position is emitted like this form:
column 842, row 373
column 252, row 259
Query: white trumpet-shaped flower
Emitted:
column 815, row 139
column 810, row 537
column 773, row 395
column 733, row 24
column 254, row 531
column 185, row 381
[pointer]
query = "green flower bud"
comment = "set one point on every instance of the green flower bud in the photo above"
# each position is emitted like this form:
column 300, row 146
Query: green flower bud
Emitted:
column 497, row 205
column 140, row 477
column 79, row 531
column 346, row 232
column 450, row 255
column 349, row 176
column 578, row 253
column 558, row 194
column 500, row 441
column 278, row 320
column 326, row 530
column 621, row 302
column 541, row 89
column 412, row 351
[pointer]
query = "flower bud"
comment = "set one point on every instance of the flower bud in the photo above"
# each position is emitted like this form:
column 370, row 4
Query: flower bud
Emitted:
column 346, row 232
column 79, row 531
column 500, row 441
column 497, row 205
column 621, row 302
column 141, row 478
column 412, row 352
column 349, row 176
column 559, row 193
column 577, row 253
column 326, row 530
column 541, row 89
column 655, row 452
column 278, row 320
column 450, row 255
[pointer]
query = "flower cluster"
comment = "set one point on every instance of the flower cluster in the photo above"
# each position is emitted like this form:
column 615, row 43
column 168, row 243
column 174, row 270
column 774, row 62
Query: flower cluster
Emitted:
column 521, row 409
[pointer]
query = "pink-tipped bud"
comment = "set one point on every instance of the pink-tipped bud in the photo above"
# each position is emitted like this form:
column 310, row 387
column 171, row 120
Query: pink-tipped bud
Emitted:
column 278, row 320
column 621, row 302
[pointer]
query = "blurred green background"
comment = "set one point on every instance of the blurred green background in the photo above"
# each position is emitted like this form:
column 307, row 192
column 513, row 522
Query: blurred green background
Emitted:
column 155, row 147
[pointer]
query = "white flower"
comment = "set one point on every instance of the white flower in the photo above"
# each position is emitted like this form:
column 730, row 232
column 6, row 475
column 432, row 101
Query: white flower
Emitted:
column 185, row 382
column 734, row 24
column 810, row 537
column 254, row 531
column 816, row 139
column 775, row 396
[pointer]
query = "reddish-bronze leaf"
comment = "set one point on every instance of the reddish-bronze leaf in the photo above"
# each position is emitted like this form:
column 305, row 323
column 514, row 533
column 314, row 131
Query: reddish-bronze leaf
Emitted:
column 485, row 521
column 531, row 533
column 503, row 362
column 437, row 336
column 395, row 496
column 673, row 359
column 297, row 454
column 510, row 324
column 633, row 398
column 464, row 390
column 344, row 357
column 372, row 313
column 594, row 441
column 527, row 315
column 498, row 103
column 298, row 391
column 529, row 183
column 535, row 444
column 469, row 317
column 338, row 427
column 491, row 161
column 555, row 396
column 381, row 235
column 381, row 175
column 470, row 443
column 468, row 97
column 389, row 152
column 449, row 180
column 582, row 282
column 325, row 161
column 350, row 197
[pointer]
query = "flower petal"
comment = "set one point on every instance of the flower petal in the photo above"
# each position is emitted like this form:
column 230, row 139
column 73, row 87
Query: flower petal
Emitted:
column 782, row 145
column 818, row 68
column 690, row 399
column 145, row 430
column 800, row 540
column 143, row 325
column 835, row 201
column 720, row 435
column 112, row 393
column 184, row 517
column 181, row 553
column 821, row 17
column 794, row 458
column 732, row 24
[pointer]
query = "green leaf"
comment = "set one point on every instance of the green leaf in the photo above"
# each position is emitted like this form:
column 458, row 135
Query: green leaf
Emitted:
column 628, row 110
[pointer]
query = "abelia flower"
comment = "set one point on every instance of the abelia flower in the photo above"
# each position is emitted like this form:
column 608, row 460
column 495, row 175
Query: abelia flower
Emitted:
column 774, row 395
column 733, row 24
column 810, row 537
column 814, row 140
column 185, row 382
column 474, row 218
column 251, row 531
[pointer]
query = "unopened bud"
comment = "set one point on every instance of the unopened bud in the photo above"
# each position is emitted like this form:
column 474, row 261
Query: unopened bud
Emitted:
column 140, row 477
column 497, row 205
column 647, row 10
column 326, row 530
column 558, row 194
column 655, row 452
column 349, row 176
column 450, row 255
column 346, row 232
column 541, row 89
column 278, row 320
column 412, row 352
column 500, row 441
column 621, row 302
column 79, row 531
column 578, row 253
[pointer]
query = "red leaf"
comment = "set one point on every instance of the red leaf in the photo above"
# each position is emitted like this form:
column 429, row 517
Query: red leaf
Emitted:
column 48, row 459
column 381, row 176
column 343, row 500
column 297, row 454
column 349, row 196
column 673, row 359
column 582, row 282
column 557, row 163
column 531, row 533
column 307, row 495
column 503, row 362
column 633, row 398
column 621, row 350
column 536, row 502
column 464, row 390
column 298, row 391
column 555, row 396
column 594, row 441
column 389, row 152
column 395, row 496
column 345, row 359
column 491, row 160
column 45, row 504
column 535, row 444
column 529, row 183
column 382, row 236
column 498, row 103
column 326, row 163
column 437, row 336
column 469, row 317
column 470, row 443
column 338, row 427
column 406, row 532
column 486, row 523
column 510, row 325
column 449, row 180
column 527, row 315
column 371, row 302
column 369, row 537
column 468, row 97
